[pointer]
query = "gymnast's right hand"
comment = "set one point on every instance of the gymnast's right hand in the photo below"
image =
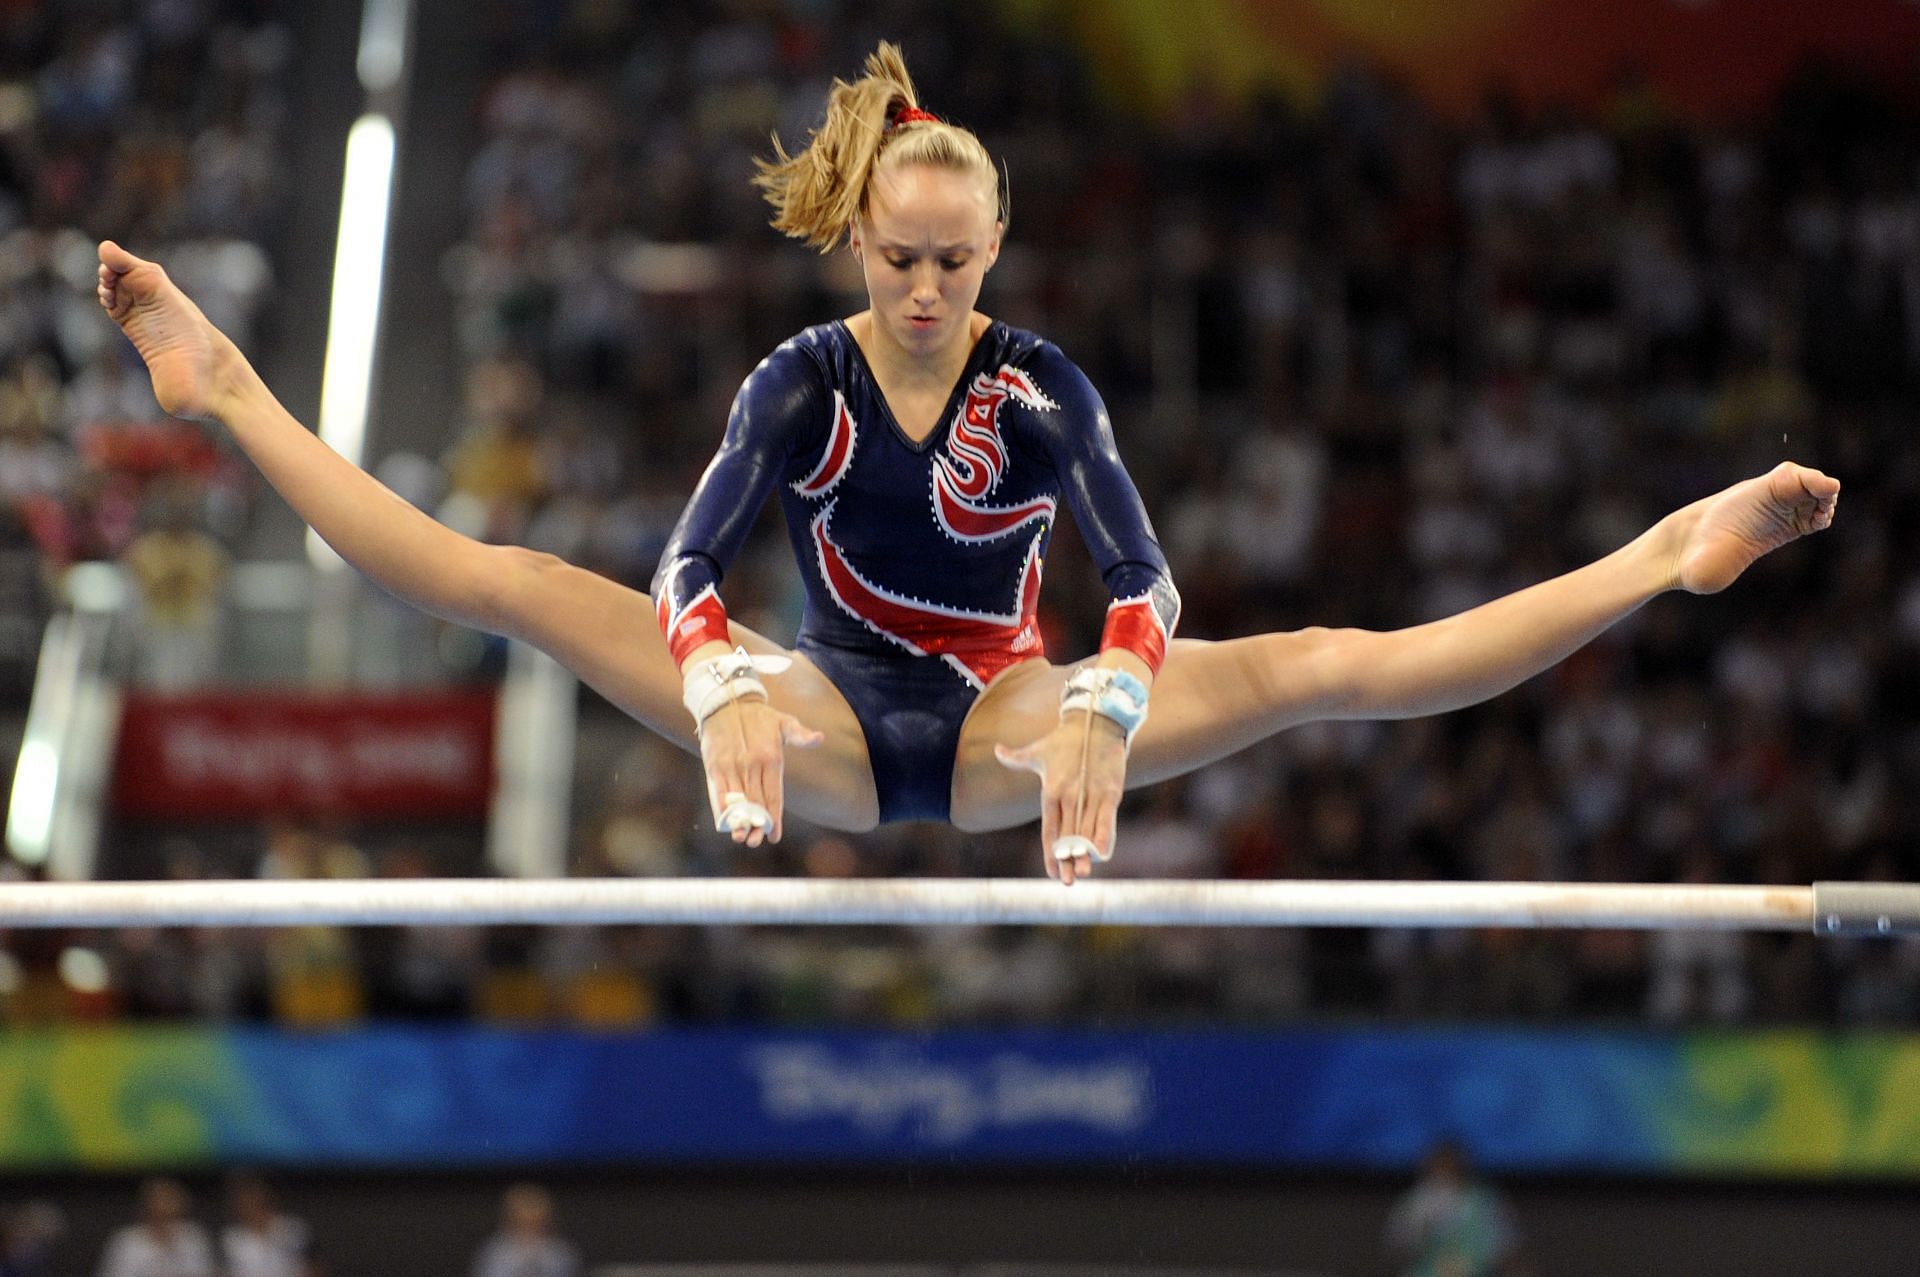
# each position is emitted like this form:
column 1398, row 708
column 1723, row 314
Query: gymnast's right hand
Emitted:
column 193, row 365
column 743, row 746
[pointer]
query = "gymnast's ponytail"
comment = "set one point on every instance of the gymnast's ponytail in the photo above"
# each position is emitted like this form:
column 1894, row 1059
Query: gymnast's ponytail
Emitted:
column 817, row 194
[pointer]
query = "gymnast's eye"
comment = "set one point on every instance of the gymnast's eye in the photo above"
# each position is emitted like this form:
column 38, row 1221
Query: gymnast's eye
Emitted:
column 952, row 263
column 900, row 263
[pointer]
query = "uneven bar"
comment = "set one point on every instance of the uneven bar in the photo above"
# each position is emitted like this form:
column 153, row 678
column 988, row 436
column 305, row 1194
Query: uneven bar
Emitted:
column 939, row 901
column 1866, row 908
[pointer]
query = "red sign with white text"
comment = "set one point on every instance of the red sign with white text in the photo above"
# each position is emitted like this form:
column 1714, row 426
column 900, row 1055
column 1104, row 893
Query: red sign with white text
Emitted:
column 409, row 756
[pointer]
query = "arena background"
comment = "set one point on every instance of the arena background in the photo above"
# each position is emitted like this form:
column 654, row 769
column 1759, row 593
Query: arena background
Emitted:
column 1395, row 308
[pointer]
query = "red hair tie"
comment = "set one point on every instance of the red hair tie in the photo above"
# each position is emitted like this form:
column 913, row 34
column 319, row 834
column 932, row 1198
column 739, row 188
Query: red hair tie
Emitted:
column 913, row 115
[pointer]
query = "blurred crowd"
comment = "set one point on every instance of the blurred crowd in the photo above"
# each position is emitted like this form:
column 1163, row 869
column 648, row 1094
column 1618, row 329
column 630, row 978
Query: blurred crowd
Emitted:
column 1369, row 366
column 256, row 1238
column 1450, row 1222
column 163, row 125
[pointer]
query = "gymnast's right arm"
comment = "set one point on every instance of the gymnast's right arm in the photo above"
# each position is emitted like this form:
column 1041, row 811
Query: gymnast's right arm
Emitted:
column 780, row 405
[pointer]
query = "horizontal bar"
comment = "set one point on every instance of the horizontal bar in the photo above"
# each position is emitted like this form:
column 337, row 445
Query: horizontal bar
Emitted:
column 1866, row 908
column 910, row 901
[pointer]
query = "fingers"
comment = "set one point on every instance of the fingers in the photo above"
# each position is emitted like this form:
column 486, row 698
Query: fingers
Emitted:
column 794, row 734
column 739, row 807
column 1104, row 830
column 1025, row 759
column 1088, row 800
column 768, row 781
column 1049, row 834
column 734, row 809
column 1069, row 847
column 797, row 734
column 1032, row 758
column 742, row 815
column 719, row 791
column 1074, row 845
column 1075, row 856
column 742, row 820
column 743, row 748
column 1080, row 794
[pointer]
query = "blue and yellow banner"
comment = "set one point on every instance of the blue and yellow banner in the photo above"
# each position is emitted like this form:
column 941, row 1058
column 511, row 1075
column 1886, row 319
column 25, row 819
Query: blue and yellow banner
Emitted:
column 1748, row 1104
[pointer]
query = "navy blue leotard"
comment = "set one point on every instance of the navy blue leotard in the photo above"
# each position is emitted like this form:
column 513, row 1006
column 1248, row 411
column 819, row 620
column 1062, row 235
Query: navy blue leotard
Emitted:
column 922, row 560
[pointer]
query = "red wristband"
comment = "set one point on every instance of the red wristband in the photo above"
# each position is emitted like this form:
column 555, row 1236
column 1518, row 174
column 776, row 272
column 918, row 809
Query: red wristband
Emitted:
column 1134, row 625
column 702, row 620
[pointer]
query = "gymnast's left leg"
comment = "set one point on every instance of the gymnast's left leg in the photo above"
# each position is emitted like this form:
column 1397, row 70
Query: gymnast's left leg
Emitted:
column 1212, row 699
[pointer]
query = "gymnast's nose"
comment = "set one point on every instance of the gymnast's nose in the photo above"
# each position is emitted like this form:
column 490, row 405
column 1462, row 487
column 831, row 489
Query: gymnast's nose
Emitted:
column 926, row 285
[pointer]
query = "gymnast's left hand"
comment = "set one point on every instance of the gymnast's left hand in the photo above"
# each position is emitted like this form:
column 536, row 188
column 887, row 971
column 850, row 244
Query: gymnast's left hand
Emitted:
column 1082, row 766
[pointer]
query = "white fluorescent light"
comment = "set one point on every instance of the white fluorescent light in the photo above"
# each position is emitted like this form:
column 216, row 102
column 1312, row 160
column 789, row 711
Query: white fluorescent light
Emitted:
column 30, row 816
column 383, row 44
column 359, row 264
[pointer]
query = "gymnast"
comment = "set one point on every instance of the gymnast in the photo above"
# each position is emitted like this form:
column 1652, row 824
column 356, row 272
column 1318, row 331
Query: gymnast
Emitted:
column 920, row 451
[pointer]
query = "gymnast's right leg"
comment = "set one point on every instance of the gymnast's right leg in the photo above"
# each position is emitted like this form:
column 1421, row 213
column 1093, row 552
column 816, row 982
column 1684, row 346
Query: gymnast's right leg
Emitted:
column 607, row 634
column 603, row 631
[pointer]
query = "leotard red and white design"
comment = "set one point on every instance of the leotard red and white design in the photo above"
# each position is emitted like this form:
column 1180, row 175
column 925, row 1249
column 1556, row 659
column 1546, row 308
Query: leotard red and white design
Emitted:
column 920, row 549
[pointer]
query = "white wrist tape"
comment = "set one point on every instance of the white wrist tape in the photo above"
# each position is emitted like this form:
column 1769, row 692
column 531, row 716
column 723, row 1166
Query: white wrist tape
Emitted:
column 710, row 685
column 740, row 813
column 1112, row 694
column 1073, row 846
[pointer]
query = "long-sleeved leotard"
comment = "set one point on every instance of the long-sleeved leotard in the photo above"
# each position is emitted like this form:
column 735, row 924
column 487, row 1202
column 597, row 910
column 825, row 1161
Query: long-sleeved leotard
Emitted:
column 922, row 561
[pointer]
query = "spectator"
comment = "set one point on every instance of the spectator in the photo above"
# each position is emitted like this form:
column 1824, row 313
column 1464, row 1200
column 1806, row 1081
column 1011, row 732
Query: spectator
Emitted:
column 1698, row 974
column 526, row 1244
column 178, row 572
column 1452, row 1224
column 28, row 1234
column 166, row 1242
column 23, row 606
column 260, row 1241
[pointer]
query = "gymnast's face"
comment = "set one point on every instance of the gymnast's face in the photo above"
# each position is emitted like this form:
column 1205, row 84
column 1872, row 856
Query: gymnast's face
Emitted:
column 925, row 244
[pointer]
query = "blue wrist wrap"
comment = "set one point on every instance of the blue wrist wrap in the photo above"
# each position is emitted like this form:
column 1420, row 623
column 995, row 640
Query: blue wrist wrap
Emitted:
column 1113, row 694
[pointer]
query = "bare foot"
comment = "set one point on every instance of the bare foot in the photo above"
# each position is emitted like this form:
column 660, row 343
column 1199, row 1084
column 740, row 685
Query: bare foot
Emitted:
column 1721, row 536
column 186, row 356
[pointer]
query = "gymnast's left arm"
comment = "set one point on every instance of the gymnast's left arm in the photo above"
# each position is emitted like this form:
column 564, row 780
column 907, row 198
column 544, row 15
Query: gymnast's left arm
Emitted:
column 1082, row 762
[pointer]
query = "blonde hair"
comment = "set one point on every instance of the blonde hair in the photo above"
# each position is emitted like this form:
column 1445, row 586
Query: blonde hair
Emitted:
column 818, row 194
